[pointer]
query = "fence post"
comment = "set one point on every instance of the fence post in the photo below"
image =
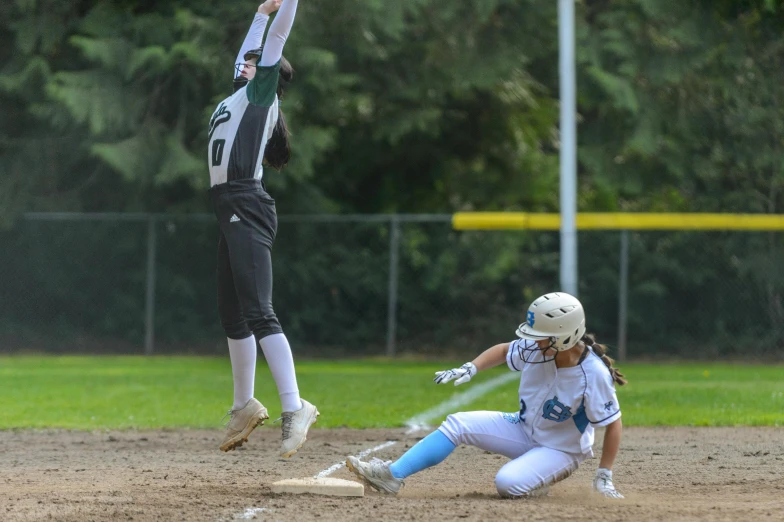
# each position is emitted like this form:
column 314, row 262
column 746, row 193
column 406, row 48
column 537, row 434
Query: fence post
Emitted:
column 149, row 307
column 623, row 295
column 394, row 255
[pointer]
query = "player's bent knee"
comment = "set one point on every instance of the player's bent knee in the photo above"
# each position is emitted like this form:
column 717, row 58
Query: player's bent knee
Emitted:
column 504, row 486
column 454, row 428
column 510, row 485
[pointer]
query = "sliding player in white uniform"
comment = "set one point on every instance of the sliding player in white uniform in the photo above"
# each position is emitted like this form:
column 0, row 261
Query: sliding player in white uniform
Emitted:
column 566, row 390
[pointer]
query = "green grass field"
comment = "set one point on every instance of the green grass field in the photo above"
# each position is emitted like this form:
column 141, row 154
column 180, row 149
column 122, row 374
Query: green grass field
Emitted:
column 168, row 392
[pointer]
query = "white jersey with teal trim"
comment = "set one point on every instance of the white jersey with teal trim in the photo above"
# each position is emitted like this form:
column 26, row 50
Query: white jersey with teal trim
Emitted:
column 560, row 407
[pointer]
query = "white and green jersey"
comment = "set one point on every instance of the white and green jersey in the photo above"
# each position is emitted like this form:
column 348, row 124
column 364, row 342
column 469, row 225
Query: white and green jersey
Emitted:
column 243, row 123
column 241, row 126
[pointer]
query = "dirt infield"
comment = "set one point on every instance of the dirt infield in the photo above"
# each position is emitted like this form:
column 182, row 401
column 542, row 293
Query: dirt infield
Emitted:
column 665, row 473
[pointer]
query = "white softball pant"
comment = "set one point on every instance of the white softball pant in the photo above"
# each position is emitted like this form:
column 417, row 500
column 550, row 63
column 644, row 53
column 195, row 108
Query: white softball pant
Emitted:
column 532, row 466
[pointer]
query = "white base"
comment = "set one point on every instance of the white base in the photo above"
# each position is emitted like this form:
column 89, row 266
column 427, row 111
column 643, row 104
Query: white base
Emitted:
column 320, row 486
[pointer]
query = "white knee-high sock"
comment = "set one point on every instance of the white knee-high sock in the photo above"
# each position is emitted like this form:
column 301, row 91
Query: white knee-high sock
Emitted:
column 281, row 363
column 243, row 369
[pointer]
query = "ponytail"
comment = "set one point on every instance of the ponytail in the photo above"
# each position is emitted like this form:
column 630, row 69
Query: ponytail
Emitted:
column 601, row 351
column 278, row 151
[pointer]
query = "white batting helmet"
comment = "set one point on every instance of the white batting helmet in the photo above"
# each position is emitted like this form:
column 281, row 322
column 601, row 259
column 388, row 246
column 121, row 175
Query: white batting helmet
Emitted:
column 557, row 316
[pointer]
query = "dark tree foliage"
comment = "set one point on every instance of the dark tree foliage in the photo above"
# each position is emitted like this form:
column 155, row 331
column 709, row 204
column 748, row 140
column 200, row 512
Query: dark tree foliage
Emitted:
column 428, row 106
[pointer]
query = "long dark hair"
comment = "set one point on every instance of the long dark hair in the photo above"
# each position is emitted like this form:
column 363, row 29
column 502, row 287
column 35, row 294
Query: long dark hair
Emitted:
column 601, row 351
column 278, row 151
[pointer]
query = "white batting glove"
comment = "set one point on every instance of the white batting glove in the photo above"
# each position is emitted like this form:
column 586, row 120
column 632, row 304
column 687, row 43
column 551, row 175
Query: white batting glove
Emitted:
column 462, row 374
column 602, row 483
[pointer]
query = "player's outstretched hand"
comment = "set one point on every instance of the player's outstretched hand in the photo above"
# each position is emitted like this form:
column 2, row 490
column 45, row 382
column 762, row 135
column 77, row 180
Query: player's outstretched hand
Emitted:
column 269, row 7
column 462, row 374
column 602, row 483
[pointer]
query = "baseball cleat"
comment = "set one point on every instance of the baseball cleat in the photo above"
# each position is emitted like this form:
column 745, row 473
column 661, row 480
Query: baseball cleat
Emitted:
column 375, row 473
column 295, row 428
column 242, row 422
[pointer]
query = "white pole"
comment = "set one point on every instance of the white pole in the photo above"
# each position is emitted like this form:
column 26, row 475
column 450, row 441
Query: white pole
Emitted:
column 568, row 147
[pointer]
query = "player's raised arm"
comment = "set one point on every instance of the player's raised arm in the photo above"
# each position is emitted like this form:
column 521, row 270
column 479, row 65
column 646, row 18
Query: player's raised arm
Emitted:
column 279, row 33
column 255, row 34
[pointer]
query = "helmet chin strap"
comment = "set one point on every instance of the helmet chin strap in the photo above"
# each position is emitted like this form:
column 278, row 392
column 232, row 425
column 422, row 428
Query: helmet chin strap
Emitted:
column 530, row 353
column 239, row 83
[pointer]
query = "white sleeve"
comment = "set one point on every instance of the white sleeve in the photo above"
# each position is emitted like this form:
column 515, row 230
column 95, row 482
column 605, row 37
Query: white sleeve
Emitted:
column 278, row 33
column 253, row 39
column 601, row 402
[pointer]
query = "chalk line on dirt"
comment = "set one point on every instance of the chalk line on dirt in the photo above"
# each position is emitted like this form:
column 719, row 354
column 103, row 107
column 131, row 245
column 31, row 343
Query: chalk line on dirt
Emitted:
column 419, row 422
column 416, row 423
column 362, row 454
column 250, row 513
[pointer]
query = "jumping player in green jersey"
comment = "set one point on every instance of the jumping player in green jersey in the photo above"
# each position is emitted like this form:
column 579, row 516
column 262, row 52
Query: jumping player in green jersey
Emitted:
column 247, row 133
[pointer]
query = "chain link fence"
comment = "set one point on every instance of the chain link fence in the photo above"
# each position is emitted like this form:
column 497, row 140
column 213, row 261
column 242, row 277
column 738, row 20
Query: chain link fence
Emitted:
column 384, row 285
